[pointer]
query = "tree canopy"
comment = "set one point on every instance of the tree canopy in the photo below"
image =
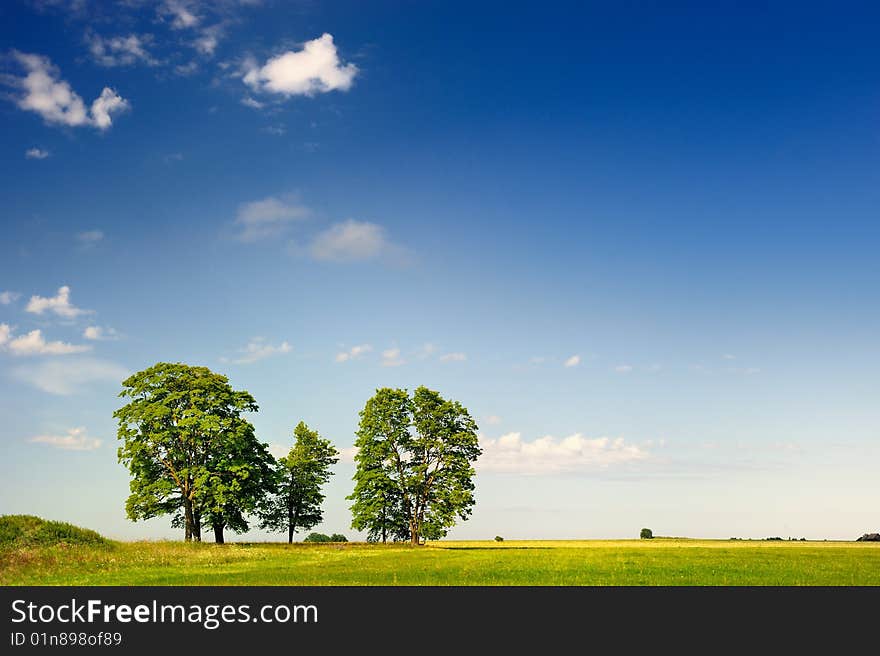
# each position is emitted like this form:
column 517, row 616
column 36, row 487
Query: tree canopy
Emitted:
column 414, row 465
column 189, row 449
column 296, row 498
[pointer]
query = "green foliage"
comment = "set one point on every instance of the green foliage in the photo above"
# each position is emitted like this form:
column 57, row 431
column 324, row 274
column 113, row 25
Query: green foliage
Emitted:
column 296, row 498
column 28, row 530
column 188, row 448
column 414, row 465
column 338, row 537
column 498, row 538
column 318, row 537
column 646, row 534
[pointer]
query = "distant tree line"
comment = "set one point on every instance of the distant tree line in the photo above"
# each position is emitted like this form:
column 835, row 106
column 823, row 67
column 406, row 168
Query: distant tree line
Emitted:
column 193, row 455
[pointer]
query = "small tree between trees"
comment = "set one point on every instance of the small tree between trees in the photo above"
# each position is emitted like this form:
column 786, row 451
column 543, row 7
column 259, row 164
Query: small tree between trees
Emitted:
column 414, row 465
column 296, row 497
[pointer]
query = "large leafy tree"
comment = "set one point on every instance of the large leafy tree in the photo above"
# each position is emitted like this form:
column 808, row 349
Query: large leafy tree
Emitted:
column 299, row 476
column 414, row 465
column 189, row 450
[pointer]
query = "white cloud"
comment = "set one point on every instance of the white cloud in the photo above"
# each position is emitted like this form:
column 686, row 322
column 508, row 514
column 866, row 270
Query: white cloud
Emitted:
column 453, row 357
column 353, row 353
column 76, row 440
column 59, row 304
column 261, row 219
column 279, row 450
column 314, row 69
column 36, row 153
column 258, row 349
column 33, row 343
column 549, row 455
column 206, row 43
column 44, row 93
column 573, row 361
column 187, row 69
column 120, row 50
column 8, row 297
column 352, row 241
column 98, row 333
column 69, row 375
column 182, row 13
column 247, row 101
column 347, row 454
column 89, row 237
column 623, row 368
column 426, row 351
column 391, row 358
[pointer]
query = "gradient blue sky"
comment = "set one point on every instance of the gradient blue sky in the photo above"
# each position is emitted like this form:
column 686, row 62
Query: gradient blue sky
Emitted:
column 639, row 243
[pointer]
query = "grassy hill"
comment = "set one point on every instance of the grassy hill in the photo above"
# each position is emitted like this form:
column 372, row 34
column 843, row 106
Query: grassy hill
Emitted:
column 18, row 531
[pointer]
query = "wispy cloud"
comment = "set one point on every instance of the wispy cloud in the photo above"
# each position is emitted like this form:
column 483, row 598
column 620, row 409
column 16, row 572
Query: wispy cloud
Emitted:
column 66, row 376
column 453, row 357
column 33, row 343
column 8, row 297
column 354, row 241
column 269, row 217
column 89, row 238
column 120, row 50
column 391, row 358
column 59, row 304
column 259, row 349
column 549, row 455
column 36, row 153
column 353, row 353
column 572, row 361
column 623, row 368
column 314, row 69
column 253, row 103
column 182, row 13
column 76, row 439
column 99, row 333
column 42, row 91
column 492, row 420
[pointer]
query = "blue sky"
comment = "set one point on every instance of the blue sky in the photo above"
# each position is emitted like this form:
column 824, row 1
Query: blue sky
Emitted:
column 638, row 243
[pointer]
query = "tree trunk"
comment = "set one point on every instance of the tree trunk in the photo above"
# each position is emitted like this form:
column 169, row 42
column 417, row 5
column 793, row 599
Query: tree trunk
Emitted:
column 187, row 519
column 197, row 526
column 290, row 534
column 218, row 532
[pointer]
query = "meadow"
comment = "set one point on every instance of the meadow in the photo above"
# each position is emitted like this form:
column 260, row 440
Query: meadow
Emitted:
column 595, row 562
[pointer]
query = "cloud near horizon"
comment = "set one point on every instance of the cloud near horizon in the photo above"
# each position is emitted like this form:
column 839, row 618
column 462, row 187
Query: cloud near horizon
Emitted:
column 549, row 455
column 76, row 439
column 258, row 349
column 67, row 376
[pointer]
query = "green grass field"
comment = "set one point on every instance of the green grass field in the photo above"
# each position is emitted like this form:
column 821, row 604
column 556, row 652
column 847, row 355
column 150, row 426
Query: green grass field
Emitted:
column 622, row 562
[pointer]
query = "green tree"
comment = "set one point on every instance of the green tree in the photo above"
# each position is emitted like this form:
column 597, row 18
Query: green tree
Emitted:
column 188, row 448
column 299, row 476
column 414, row 464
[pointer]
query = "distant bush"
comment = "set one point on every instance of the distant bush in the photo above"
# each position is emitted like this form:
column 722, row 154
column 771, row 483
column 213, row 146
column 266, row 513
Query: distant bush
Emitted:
column 317, row 537
column 646, row 534
column 321, row 537
column 31, row 531
column 774, row 539
column 498, row 538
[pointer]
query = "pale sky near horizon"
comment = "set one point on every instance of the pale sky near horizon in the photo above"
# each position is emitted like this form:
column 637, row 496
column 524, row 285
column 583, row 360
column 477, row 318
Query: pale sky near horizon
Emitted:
column 639, row 244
